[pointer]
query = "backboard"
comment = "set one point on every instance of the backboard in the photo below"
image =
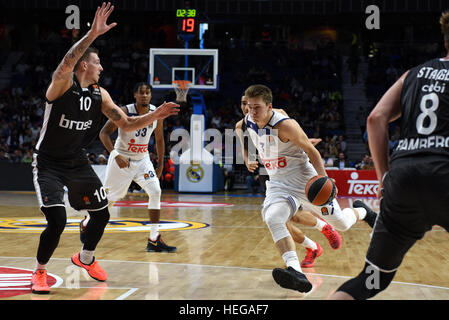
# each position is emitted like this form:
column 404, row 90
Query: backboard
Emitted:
column 199, row 66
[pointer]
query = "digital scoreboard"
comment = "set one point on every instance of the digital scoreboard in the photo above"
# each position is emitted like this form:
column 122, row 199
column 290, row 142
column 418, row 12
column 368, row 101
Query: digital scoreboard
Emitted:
column 187, row 21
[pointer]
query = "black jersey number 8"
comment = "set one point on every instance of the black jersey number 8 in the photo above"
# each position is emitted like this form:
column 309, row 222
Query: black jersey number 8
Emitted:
column 428, row 113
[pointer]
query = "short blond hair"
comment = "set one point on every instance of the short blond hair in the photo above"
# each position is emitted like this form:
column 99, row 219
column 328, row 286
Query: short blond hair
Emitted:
column 259, row 90
column 444, row 22
column 86, row 56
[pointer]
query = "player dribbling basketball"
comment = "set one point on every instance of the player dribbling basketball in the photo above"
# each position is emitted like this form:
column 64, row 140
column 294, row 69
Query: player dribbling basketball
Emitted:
column 313, row 249
column 291, row 160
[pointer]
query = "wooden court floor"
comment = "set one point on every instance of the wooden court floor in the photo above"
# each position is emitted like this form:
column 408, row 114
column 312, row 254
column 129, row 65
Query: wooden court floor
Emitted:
column 225, row 252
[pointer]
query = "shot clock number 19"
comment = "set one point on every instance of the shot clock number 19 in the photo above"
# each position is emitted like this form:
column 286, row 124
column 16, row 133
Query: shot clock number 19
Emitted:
column 188, row 25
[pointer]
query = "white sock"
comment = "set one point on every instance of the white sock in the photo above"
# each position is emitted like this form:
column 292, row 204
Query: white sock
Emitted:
column 291, row 260
column 154, row 231
column 309, row 243
column 361, row 212
column 87, row 256
column 40, row 266
column 320, row 224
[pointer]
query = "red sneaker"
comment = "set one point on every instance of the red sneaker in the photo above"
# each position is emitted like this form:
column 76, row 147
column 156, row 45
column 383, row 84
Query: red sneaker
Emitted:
column 332, row 236
column 39, row 282
column 93, row 269
column 309, row 260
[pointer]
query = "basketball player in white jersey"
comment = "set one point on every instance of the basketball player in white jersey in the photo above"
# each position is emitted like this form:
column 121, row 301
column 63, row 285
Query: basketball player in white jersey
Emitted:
column 129, row 161
column 291, row 160
column 313, row 249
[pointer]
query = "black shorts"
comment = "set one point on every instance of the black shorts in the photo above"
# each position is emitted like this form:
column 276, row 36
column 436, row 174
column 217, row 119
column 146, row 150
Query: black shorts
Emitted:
column 415, row 198
column 85, row 190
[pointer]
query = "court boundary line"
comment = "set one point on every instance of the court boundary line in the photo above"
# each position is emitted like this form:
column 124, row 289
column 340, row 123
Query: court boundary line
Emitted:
column 235, row 267
column 127, row 294
column 60, row 281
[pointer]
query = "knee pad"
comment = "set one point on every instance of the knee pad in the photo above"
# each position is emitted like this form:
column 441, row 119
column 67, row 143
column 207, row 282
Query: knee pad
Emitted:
column 100, row 216
column 49, row 239
column 368, row 283
column 153, row 189
column 56, row 218
column 276, row 216
column 95, row 228
column 345, row 219
column 349, row 218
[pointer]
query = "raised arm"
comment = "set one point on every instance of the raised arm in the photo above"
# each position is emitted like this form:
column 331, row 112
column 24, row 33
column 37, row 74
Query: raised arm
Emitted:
column 62, row 76
column 126, row 123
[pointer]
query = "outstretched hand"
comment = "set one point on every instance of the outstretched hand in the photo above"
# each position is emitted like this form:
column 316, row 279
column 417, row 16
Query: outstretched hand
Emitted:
column 166, row 109
column 315, row 141
column 99, row 25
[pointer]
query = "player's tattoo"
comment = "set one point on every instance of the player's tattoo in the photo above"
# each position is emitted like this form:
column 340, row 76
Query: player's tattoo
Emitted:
column 113, row 114
column 72, row 56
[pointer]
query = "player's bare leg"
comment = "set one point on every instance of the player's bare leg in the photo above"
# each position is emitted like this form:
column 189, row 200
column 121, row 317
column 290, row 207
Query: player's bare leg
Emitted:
column 276, row 216
column 313, row 249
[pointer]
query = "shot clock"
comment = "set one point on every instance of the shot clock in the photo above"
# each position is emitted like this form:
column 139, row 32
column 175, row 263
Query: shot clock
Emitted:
column 187, row 21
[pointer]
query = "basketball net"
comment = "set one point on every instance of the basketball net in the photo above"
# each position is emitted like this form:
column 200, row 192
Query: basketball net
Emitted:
column 181, row 88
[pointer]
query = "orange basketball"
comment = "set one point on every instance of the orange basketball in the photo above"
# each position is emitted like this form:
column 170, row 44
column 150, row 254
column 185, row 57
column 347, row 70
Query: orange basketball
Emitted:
column 320, row 190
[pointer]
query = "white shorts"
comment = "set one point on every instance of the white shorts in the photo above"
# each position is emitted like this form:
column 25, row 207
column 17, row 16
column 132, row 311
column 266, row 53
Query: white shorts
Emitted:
column 292, row 189
column 117, row 181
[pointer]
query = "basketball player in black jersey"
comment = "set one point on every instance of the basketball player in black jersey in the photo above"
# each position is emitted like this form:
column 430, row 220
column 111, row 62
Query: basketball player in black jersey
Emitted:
column 415, row 182
column 72, row 119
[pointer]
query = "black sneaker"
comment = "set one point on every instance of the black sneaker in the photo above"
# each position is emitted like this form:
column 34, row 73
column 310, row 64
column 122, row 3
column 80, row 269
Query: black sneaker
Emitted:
column 291, row 279
column 83, row 231
column 370, row 217
column 159, row 246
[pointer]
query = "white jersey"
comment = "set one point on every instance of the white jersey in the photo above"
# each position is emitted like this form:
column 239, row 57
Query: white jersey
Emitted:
column 134, row 144
column 289, row 169
column 281, row 159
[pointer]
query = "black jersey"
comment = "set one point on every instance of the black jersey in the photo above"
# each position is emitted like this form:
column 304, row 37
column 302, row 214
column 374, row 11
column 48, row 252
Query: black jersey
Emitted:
column 71, row 122
column 424, row 121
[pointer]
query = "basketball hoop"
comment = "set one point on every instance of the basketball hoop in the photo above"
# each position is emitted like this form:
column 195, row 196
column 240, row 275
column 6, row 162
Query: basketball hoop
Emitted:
column 181, row 88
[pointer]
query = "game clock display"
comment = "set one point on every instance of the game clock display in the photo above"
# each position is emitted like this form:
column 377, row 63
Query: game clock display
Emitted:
column 187, row 23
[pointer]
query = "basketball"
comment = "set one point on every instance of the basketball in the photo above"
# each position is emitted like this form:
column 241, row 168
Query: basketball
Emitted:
column 320, row 190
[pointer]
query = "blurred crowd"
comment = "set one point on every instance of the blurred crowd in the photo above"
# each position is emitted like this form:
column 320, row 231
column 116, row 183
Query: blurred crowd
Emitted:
column 306, row 83
column 386, row 64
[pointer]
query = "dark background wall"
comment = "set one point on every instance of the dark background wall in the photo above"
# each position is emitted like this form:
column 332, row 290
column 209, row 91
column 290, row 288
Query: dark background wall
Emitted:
column 16, row 176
